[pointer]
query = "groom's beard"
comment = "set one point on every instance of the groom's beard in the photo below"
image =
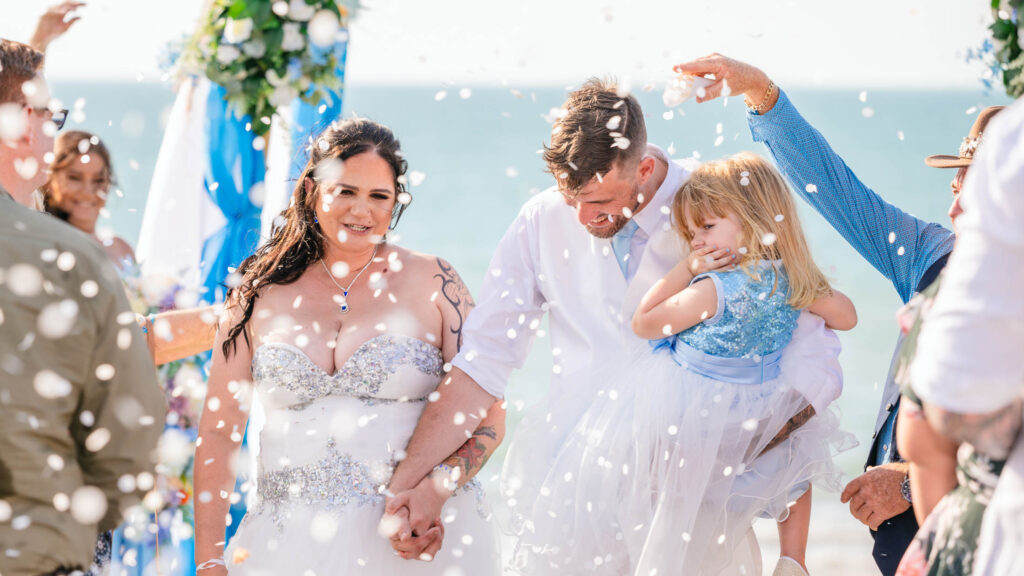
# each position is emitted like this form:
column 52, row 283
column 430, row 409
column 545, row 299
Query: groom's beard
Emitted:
column 618, row 220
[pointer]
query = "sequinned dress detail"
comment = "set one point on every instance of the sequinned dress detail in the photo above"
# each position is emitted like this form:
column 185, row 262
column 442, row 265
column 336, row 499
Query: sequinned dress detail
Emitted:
column 329, row 444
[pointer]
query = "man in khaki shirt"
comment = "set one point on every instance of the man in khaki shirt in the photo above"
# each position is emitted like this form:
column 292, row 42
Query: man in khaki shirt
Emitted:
column 80, row 408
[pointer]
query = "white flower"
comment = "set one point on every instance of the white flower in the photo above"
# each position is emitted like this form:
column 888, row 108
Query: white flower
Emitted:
column 254, row 49
column 299, row 11
column 226, row 54
column 283, row 95
column 273, row 78
column 293, row 40
column 237, row 31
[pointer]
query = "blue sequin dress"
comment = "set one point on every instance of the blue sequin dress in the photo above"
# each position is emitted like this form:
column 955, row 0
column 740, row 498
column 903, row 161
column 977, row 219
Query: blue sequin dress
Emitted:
column 664, row 474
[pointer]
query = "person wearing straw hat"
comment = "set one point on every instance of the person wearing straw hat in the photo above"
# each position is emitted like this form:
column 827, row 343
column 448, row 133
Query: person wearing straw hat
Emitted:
column 907, row 250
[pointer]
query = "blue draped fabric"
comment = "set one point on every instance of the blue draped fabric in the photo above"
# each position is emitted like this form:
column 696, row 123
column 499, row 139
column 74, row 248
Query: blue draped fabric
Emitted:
column 234, row 168
column 307, row 120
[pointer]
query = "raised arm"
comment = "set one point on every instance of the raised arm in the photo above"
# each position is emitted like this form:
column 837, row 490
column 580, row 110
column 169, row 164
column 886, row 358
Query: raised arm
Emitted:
column 836, row 309
column 899, row 245
column 221, row 428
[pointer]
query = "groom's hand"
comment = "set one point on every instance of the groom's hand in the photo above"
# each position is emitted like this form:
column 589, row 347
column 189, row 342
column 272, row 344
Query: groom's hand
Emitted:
column 742, row 79
column 422, row 532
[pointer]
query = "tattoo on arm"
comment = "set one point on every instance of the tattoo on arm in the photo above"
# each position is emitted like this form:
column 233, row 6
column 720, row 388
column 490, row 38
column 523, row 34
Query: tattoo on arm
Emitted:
column 472, row 455
column 789, row 427
column 992, row 434
column 457, row 294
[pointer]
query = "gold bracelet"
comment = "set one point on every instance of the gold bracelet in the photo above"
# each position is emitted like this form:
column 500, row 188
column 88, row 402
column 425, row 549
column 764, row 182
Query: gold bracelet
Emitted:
column 764, row 101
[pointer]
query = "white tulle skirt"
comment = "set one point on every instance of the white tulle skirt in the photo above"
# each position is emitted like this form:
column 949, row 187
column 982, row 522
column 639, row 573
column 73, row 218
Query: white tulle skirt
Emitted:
column 664, row 473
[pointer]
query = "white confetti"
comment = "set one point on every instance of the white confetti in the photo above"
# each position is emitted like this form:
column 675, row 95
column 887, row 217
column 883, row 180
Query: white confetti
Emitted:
column 51, row 385
column 97, row 440
column 90, row 288
column 24, row 280
column 55, row 462
column 892, row 237
column 88, row 505
column 867, row 112
column 323, row 28
column 768, row 239
column 57, row 319
column 465, row 93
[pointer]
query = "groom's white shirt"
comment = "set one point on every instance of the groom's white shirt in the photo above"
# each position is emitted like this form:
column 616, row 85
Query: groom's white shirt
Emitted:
column 548, row 262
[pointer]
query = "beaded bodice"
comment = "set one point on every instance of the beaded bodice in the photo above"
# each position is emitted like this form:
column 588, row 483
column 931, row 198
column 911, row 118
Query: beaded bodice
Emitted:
column 753, row 317
column 332, row 440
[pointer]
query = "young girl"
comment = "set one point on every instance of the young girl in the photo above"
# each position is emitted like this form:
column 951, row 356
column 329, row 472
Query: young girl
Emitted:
column 669, row 467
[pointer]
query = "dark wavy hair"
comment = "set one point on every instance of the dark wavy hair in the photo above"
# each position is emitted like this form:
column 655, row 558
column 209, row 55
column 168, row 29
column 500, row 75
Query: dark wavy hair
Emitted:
column 299, row 242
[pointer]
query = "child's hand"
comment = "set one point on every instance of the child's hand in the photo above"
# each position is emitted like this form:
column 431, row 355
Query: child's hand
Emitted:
column 710, row 258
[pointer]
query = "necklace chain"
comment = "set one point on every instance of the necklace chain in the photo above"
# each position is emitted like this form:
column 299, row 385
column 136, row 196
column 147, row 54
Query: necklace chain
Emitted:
column 344, row 291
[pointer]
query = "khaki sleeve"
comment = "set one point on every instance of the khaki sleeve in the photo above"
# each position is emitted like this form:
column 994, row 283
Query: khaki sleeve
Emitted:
column 123, row 408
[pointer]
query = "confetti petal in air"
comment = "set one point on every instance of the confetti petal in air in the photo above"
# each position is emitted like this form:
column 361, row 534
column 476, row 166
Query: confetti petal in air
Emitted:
column 323, row 28
column 51, row 385
column 13, row 122
column 88, row 505
column 867, row 112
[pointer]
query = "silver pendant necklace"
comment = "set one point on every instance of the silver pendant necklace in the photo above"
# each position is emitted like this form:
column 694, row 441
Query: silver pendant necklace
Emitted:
column 344, row 291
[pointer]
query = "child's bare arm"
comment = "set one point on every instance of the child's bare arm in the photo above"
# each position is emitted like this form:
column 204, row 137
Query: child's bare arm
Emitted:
column 836, row 309
column 672, row 306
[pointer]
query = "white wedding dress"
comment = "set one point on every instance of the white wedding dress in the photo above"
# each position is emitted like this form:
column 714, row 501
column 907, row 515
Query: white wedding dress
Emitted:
column 329, row 444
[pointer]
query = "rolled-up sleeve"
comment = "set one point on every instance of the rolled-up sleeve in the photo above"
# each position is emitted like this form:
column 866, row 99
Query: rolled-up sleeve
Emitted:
column 500, row 330
column 969, row 350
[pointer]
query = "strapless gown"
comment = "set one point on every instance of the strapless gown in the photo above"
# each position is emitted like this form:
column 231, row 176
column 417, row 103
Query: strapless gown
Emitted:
column 329, row 445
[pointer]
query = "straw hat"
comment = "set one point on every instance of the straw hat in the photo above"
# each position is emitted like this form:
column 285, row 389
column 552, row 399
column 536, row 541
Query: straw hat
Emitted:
column 970, row 144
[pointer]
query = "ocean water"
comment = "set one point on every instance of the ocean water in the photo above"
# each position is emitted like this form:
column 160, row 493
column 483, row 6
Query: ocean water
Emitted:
column 479, row 156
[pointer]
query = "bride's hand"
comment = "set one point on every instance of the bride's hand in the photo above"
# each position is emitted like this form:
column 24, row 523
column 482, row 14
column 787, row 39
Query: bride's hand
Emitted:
column 421, row 533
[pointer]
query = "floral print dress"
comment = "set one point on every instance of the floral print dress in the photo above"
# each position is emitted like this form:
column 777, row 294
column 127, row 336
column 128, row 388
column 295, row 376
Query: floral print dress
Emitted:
column 946, row 543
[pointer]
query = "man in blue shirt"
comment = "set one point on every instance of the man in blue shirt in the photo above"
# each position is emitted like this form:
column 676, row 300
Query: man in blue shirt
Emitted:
column 908, row 251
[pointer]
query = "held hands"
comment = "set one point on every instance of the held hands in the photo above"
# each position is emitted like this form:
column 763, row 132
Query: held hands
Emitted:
column 710, row 258
column 742, row 79
column 876, row 496
column 420, row 531
column 53, row 23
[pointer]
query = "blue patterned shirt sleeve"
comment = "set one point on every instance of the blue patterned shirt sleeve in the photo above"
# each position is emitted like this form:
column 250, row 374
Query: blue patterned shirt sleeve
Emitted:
column 861, row 216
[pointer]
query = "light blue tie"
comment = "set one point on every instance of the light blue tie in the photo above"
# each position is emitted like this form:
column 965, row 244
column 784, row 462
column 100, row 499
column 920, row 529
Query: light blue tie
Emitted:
column 621, row 243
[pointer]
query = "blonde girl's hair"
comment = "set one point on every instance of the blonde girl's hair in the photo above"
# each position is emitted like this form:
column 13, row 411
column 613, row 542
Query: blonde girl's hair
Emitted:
column 749, row 187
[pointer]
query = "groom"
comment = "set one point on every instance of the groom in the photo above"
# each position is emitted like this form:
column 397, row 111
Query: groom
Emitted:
column 584, row 251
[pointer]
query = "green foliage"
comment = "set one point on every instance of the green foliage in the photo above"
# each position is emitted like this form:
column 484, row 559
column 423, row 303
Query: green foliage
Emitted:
column 1007, row 39
column 264, row 59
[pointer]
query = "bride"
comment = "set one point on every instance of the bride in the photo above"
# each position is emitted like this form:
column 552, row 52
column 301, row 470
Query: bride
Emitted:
column 342, row 338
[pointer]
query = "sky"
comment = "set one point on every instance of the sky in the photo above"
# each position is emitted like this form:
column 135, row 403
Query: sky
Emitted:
column 868, row 44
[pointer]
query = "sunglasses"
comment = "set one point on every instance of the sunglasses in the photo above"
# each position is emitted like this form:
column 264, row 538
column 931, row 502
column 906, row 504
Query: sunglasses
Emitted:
column 58, row 117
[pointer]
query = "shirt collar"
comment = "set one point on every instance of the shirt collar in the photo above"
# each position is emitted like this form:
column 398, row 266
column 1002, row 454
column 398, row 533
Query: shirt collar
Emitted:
column 651, row 218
